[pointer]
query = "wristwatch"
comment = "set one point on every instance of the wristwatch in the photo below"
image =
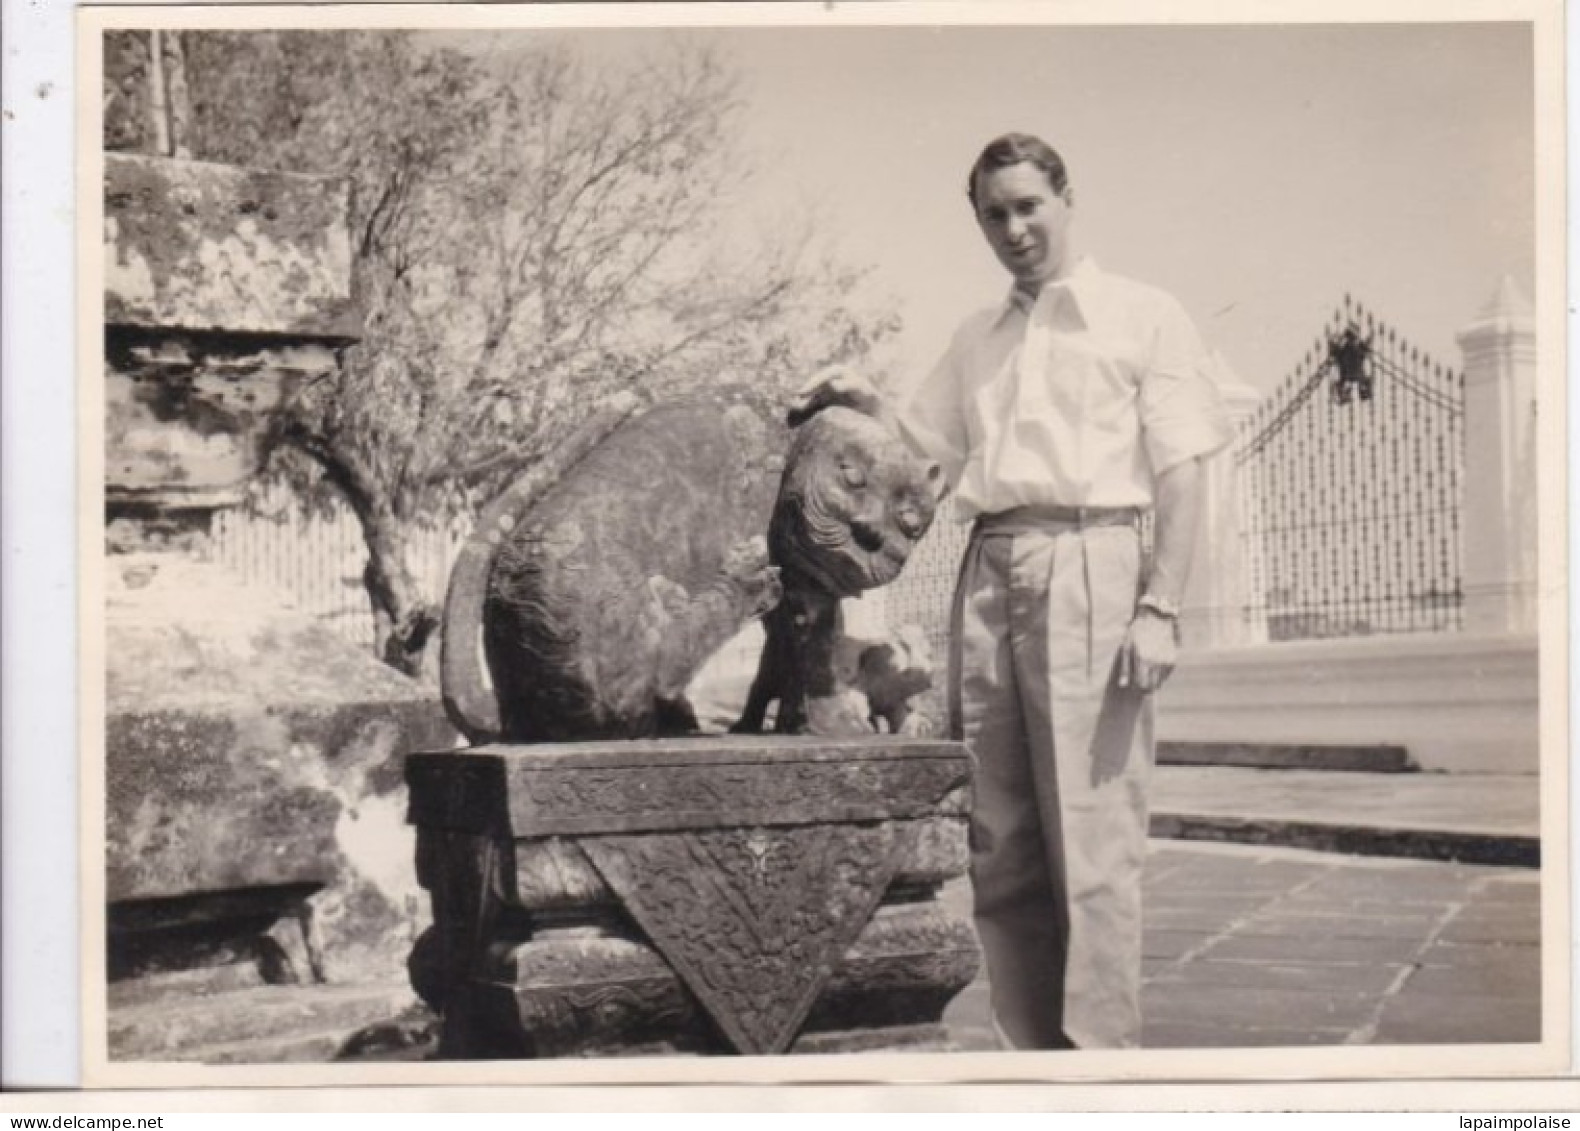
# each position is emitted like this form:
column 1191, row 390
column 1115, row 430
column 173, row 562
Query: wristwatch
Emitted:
column 1161, row 606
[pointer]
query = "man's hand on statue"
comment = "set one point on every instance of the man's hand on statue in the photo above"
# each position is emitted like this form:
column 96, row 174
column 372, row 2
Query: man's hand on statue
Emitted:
column 1148, row 654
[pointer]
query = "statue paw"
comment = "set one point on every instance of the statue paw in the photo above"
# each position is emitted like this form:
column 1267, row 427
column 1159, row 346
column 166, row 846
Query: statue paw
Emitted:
column 918, row 725
column 767, row 591
column 748, row 572
column 843, row 713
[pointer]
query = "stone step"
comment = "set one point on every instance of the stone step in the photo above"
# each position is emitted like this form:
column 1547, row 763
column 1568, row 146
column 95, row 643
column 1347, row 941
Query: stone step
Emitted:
column 413, row 1034
column 1274, row 756
column 204, row 981
column 412, row 1037
column 189, row 1026
column 1507, row 849
column 1471, row 818
column 291, row 1048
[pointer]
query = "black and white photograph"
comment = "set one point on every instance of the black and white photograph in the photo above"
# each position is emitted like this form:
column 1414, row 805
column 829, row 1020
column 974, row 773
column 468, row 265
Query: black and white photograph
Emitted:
column 781, row 542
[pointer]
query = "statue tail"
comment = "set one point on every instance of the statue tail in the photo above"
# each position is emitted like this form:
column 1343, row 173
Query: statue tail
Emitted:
column 468, row 693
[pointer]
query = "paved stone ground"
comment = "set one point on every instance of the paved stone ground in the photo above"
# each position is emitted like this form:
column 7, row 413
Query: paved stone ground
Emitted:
column 1259, row 946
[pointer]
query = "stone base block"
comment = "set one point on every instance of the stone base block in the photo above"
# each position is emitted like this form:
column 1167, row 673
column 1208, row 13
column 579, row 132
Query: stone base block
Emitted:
column 740, row 895
column 586, row 992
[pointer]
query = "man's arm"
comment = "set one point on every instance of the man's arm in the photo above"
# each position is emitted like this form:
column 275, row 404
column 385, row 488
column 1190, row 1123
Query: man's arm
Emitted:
column 1152, row 645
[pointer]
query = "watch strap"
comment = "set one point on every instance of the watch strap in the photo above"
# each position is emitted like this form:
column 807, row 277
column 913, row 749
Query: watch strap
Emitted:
column 1162, row 606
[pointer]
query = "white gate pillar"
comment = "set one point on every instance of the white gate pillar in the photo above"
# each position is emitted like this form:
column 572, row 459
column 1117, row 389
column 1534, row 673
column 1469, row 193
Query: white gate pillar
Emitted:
column 1219, row 589
column 1498, row 520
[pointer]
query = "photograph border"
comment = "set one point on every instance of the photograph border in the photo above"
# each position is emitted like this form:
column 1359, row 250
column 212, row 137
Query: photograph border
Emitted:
column 1253, row 1066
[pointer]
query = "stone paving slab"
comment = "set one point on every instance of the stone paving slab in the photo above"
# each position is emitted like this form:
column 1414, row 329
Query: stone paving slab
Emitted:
column 1483, row 1019
column 1263, row 946
column 1352, row 979
column 1245, row 947
column 1175, row 1035
column 1338, row 923
column 1476, row 974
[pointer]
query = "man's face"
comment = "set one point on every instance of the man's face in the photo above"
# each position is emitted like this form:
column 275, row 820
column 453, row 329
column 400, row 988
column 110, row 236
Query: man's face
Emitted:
column 1025, row 222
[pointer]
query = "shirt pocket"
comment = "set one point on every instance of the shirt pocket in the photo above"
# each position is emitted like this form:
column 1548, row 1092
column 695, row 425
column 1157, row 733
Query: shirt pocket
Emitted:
column 1111, row 387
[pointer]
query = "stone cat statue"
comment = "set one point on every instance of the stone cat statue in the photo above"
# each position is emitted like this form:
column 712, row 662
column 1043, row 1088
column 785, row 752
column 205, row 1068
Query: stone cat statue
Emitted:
column 595, row 587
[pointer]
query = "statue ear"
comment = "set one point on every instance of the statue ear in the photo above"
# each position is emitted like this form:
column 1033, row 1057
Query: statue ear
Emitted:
column 803, row 411
column 834, row 387
column 805, row 407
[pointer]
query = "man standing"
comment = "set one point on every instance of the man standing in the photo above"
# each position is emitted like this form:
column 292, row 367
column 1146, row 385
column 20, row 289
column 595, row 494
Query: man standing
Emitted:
column 1060, row 416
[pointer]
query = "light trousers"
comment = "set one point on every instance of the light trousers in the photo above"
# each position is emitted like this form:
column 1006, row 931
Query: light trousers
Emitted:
column 1059, row 821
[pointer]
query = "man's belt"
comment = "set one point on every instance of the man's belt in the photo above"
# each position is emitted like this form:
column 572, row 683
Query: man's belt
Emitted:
column 1043, row 515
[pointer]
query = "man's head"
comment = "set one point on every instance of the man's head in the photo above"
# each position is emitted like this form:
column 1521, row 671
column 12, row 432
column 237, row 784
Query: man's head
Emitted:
column 1020, row 192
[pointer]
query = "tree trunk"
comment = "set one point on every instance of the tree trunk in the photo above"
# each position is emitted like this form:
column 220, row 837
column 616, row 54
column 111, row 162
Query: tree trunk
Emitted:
column 404, row 621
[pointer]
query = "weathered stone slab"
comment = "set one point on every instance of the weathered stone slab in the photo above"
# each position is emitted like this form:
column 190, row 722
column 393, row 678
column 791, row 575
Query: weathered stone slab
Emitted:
column 186, row 634
column 255, row 840
column 555, row 874
column 265, row 928
column 220, row 248
column 754, row 920
column 586, row 992
column 221, row 1027
column 215, row 803
column 128, row 115
column 184, row 424
column 902, row 970
column 249, row 747
column 737, row 894
column 205, row 801
column 665, row 784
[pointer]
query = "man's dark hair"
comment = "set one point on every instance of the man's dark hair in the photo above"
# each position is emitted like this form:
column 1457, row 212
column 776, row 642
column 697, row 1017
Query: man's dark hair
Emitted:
column 1012, row 149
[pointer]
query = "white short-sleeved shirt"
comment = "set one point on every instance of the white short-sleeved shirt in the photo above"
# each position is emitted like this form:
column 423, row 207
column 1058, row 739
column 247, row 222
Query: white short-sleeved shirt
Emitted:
column 1078, row 399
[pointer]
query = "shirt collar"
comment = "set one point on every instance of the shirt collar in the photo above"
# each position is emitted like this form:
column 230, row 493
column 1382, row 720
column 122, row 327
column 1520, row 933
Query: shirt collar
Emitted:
column 1079, row 280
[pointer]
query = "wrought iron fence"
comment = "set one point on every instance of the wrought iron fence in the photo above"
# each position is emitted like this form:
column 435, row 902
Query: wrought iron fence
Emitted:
column 921, row 595
column 1351, row 478
column 316, row 558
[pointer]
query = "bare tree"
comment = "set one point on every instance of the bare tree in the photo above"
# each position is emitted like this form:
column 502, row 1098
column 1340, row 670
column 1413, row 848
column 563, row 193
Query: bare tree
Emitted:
column 531, row 235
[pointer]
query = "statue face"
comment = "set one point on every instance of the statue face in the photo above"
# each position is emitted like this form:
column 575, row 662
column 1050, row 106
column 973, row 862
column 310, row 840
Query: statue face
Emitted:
column 853, row 503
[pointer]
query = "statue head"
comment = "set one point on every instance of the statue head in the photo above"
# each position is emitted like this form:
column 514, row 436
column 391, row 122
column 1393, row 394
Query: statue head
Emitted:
column 853, row 503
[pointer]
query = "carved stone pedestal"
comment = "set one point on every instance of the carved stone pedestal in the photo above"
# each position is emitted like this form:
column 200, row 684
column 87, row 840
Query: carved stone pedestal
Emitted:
column 708, row 895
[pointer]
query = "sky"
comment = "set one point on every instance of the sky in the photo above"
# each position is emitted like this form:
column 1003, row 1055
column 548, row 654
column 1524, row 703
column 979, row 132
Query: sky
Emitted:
column 1259, row 173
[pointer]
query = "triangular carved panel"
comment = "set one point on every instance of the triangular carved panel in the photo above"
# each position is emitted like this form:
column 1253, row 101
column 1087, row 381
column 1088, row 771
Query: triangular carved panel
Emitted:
column 754, row 920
